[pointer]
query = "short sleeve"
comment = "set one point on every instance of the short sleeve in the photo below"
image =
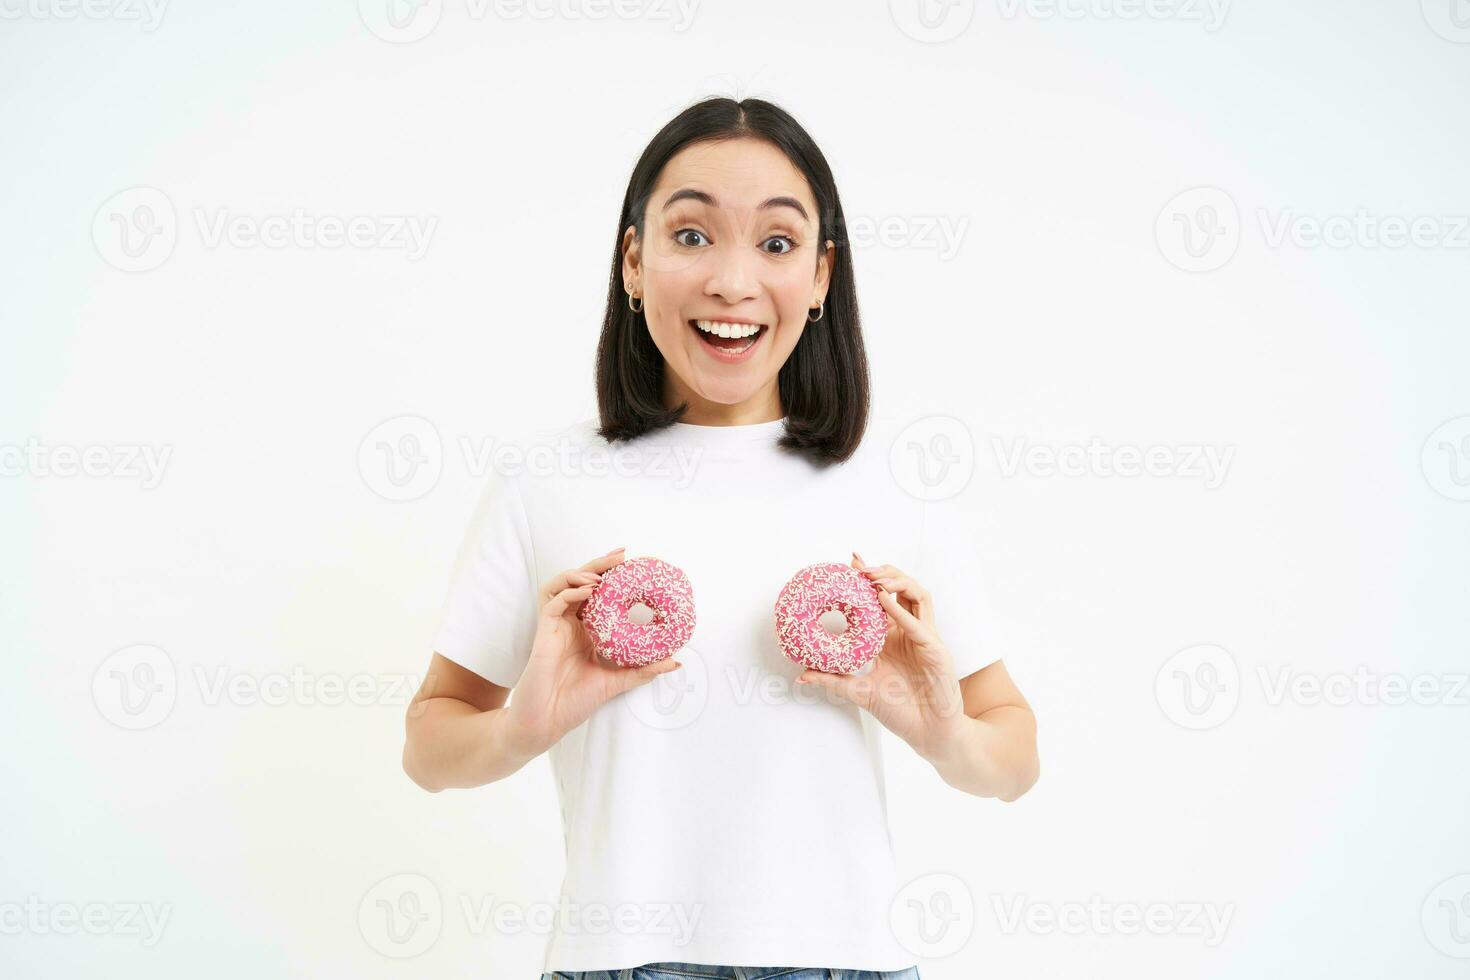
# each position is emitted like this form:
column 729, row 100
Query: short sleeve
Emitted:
column 488, row 619
column 951, row 569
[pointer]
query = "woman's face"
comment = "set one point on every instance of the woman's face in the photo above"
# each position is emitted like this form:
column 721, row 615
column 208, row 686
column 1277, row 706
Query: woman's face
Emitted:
column 728, row 266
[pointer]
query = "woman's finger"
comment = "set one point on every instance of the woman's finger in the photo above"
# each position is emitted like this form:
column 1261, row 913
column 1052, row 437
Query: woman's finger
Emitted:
column 603, row 562
column 869, row 571
column 578, row 575
column 907, row 621
column 852, row 687
column 627, row 678
column 566, row 600
column 915, row 598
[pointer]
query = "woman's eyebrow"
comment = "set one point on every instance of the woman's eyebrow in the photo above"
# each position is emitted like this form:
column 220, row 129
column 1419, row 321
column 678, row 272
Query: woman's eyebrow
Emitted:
column 689, row 193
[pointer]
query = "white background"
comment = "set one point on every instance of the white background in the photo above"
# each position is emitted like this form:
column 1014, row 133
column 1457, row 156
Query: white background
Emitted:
column 1060, row 140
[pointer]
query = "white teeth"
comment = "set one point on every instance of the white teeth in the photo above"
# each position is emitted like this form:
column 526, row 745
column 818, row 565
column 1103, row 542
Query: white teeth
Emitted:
column 722, row 329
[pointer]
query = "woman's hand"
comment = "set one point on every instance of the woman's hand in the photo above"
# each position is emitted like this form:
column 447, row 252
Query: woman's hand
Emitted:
column 565, row 681
column 912, row 689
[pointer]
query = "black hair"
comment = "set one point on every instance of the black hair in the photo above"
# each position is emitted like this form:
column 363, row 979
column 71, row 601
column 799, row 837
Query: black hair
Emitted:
column 823, row 385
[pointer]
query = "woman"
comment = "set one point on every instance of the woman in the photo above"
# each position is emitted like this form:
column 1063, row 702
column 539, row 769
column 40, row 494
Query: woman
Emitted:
column 730, row 820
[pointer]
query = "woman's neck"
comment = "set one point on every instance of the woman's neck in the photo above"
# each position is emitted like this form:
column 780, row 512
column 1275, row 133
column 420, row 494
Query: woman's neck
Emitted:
column 764, row 407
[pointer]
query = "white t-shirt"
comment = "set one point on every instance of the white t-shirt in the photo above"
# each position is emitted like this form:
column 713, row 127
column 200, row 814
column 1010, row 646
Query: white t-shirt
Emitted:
column 719, row 814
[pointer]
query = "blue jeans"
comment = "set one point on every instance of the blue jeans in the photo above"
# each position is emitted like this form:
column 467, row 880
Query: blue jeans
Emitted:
column 699, row 971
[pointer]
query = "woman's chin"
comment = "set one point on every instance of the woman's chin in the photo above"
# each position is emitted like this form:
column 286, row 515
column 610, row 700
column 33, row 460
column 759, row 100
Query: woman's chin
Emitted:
column 724, row 394
column 723, row 391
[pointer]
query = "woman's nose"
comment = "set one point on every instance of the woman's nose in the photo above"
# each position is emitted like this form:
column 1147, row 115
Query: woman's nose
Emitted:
column 732, row 276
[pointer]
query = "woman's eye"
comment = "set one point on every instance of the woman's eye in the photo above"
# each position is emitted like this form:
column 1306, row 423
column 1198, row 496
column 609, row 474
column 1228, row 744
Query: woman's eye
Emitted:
column 678, row 236
column 790, row 245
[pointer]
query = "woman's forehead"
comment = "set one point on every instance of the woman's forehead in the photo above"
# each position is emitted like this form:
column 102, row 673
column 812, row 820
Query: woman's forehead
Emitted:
column 734, row 174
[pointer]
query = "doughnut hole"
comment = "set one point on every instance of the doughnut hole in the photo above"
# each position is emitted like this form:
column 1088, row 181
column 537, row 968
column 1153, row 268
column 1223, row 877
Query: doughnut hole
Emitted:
column 833, row 621
column 639, row 614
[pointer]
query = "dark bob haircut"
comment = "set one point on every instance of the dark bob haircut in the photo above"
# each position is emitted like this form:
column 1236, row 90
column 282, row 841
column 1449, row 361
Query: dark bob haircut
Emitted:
column 824, row 384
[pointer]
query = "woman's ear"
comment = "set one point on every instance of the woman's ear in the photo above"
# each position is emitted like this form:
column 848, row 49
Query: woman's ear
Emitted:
column 825, row 260
column 632, row 259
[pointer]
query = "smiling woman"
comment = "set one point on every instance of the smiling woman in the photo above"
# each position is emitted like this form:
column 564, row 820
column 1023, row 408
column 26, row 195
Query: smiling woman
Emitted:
column 731, row 297
column 744, row 796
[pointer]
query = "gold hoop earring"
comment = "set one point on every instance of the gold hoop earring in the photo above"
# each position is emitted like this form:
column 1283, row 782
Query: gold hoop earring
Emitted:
column 821, row 308
column 635, row 309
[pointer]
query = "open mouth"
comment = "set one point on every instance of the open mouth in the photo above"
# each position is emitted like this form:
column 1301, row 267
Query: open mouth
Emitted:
column 728, row 341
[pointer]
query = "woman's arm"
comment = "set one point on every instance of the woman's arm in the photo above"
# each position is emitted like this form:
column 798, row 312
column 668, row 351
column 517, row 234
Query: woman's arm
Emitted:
column 460, row 731
column 993, row 753
column 978, row 731
column 456, row 731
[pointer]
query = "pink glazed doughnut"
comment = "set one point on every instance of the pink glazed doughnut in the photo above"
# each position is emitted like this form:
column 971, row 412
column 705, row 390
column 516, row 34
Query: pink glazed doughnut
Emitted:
column 656, row 584
column 819, row 589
